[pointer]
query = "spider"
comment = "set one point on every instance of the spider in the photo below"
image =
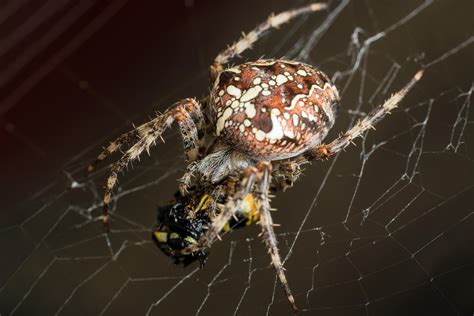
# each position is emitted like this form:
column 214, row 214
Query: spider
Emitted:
column 261, row 121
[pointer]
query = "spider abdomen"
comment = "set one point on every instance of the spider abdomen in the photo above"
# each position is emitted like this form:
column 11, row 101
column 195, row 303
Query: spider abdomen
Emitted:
column 273, row 109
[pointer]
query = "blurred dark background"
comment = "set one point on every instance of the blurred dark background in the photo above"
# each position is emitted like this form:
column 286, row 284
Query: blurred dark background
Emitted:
column 76, row 74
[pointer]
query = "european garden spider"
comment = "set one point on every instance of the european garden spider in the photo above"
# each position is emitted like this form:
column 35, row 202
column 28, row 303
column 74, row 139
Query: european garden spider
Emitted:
column 263, row 119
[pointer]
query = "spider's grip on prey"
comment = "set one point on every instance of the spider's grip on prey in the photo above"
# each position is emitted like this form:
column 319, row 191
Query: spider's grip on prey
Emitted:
column 260, row 122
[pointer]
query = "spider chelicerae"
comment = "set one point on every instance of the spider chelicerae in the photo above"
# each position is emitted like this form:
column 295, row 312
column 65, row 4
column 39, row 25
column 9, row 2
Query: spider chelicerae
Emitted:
column 262, row 120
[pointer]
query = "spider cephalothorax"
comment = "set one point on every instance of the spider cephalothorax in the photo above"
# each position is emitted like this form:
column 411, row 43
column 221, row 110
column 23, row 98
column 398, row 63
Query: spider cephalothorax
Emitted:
column 263, row 120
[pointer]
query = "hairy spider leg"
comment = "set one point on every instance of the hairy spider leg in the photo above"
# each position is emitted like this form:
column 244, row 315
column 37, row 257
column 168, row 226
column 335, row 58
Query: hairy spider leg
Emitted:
column 247, row 40
column 285, row 173
column 260, row 175
column 133, row 136
column 290, row 170
column 124, row 139
column 180, row 112
column 266, row 223
column 231, row 207
column 218, row 192
column 324, row 151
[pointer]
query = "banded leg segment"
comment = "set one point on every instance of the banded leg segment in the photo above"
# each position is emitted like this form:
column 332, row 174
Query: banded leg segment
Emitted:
column 324, row 151
column 266, row 223
column 180, row 112
column 124, row 139
column 231, row 207
column 258, row 176
column 133, row 136
column 247, row 40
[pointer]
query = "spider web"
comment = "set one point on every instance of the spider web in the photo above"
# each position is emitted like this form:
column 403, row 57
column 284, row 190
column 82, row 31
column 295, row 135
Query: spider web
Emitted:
column 384, row 228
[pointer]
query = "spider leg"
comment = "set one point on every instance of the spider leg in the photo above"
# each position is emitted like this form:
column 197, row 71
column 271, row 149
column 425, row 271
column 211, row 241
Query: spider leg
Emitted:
column 247, row 40
column 231, row 207
column 179, row 113
column 124, row 139
column 324, row 151
column 131, row 137
column 217, row 193
column 259, row 174
column 268, row 234
column 286, row 173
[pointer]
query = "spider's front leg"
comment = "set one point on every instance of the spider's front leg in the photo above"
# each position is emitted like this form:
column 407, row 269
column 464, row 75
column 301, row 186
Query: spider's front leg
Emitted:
column 261, row 176
column 131, row 137
column 232, row 205
column 247, row 40
column 266, row 222
column 184, row 113
column 324, row 151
